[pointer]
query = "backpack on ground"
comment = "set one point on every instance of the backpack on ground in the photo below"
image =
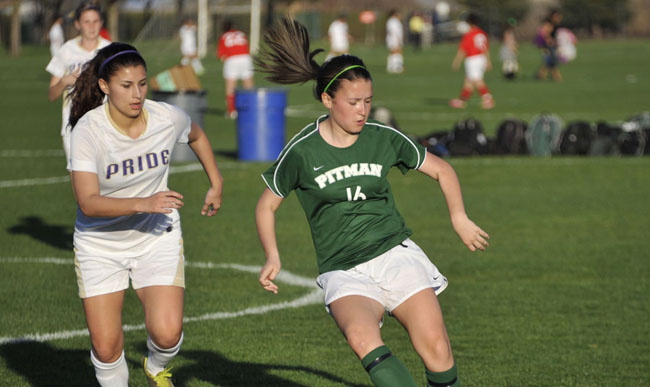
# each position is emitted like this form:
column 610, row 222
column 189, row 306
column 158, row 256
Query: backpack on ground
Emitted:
column 467, row 139
column 576, row 138
column 435, row 143
column 544, row 134
column 634, row 136
column 605, row 141
column 511, row 137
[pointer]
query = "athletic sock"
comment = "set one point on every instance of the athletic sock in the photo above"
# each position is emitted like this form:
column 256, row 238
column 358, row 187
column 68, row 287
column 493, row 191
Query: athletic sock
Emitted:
column 230, row 103
column 386, row 370
column 114, row 374
column 447, row 378
column 465, row 94
column 483, row 91
column 158, row 358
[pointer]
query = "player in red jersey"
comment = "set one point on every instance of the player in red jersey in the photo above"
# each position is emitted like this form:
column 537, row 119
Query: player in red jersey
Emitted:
column 474, row 49
column 237, row 63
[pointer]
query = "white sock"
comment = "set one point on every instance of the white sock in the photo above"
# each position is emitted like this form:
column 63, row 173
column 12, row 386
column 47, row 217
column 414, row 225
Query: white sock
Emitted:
column 114, row 374
column 158, row 358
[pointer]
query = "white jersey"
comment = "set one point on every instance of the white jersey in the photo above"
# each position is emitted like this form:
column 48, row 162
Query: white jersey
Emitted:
column 69, row 59
column 188, row 40
column 56, row 37
column 394, row 33
column 338, row 34
column 126, row 168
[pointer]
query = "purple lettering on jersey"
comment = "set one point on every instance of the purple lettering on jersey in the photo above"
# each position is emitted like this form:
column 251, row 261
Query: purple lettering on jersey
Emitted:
column 111, row 170
column 164, row 155
column 140, row 167
column 152, row 160
column 127, row 167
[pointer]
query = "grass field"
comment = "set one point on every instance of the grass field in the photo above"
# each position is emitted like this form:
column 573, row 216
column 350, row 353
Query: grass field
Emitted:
column 561, row 298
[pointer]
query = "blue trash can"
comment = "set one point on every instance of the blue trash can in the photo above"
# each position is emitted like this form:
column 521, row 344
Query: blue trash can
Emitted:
column 260, row 123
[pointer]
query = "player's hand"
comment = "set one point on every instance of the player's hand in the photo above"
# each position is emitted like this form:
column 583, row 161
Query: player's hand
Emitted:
column 472, row 235
column 268, row 273
column 164, row 202
column 212, row 202
column 70, row 79
column 489, row 66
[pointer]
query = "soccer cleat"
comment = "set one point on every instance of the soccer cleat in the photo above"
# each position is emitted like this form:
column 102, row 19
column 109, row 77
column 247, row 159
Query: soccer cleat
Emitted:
column 457, row 103
column 162, row 379
column 487, row 102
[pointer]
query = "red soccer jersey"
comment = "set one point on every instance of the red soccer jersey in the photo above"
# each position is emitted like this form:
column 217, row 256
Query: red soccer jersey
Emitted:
column 474, row 42
column 232, row 43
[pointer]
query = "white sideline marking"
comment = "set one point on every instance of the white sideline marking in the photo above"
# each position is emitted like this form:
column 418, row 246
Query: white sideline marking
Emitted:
column 64, row 179
column 313, row 297
column 32, row 153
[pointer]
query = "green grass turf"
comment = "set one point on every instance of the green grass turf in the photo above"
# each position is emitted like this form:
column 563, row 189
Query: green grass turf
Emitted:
column 559, row 299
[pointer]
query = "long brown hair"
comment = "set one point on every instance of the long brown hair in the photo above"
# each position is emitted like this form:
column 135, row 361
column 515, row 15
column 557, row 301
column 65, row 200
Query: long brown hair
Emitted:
column 287, row 59
column 86, row 94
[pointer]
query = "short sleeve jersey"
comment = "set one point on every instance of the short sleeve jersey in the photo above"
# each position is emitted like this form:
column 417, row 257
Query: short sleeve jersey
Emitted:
column 345, row 192
column 338, row 34
column 126, row 168
column 232, row 43
column 474, row 42
column 188, row 39
column 69, row 59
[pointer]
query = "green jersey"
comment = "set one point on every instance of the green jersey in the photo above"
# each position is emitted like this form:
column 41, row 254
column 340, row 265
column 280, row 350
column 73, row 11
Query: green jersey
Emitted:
column 345, row 192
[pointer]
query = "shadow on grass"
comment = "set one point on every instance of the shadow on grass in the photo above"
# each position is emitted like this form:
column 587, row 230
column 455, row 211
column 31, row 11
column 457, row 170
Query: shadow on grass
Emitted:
column 210, row 367
column 54, row 235
column 42, row 365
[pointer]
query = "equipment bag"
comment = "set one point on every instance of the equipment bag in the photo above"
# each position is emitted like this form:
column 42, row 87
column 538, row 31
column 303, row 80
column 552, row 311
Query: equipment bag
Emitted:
column 544, row 134
column 467, row 139
column 576, row 138
column 435, row 143
column 511, row 137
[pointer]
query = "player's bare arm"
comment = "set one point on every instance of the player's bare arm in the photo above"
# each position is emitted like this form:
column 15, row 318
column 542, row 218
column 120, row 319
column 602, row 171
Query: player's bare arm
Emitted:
column 267, row 205
column 200, row 145
column 57, row 85
column 93, row 204
column 472, row 236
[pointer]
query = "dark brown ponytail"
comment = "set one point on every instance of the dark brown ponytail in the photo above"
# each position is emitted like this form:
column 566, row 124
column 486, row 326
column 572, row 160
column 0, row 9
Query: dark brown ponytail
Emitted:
column 287, row 60
column 86, row 94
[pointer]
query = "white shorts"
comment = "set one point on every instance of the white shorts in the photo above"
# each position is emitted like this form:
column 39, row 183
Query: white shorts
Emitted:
column 161, row 265
column 475, row 67
column 238, row 67
column 390, row 279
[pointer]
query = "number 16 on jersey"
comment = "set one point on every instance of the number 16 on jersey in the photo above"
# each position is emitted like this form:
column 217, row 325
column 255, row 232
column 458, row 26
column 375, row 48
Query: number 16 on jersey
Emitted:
column 358, row 195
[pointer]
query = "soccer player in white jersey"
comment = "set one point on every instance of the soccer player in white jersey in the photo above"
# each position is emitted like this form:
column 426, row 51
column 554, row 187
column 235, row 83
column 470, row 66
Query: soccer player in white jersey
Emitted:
column 339, row 37
column 394, row 42
column 128, row 225
column 68, row 62
column 338, row 167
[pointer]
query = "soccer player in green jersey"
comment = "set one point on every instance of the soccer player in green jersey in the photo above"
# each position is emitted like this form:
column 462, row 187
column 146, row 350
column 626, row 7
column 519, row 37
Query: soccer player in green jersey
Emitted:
column 338, row 166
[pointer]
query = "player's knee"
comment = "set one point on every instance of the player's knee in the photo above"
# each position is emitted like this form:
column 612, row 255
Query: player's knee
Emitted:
column 438, row 347
column 359, row 340
column 107, row 352
column 167, row 338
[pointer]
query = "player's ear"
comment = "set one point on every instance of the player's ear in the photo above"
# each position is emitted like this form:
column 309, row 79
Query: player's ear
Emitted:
column 327, row 100
column 103, row 85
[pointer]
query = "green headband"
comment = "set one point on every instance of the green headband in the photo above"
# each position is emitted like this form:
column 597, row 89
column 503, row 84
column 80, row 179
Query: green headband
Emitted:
column 341, row 72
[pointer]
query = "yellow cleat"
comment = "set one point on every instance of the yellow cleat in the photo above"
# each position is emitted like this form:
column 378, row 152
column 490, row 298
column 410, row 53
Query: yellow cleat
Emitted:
column 162, row 379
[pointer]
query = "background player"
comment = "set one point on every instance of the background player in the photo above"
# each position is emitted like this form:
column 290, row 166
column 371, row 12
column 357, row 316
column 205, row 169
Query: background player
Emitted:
column 237, row 63
column 189, row 51
column 338, row 166
column 66, row 65
column 339, row 37
column 394, row 42
column 474, row 48
column 128, row 224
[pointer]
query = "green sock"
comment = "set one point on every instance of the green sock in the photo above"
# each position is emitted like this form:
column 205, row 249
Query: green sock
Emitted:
column 447, row 378
column 386, row 370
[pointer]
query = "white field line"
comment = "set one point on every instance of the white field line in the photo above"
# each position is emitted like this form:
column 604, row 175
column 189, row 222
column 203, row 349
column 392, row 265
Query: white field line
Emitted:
column 313, row 297
column 64, row 179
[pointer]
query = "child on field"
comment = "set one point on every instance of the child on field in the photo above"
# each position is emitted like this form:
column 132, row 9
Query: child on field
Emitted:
column 475, row 50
